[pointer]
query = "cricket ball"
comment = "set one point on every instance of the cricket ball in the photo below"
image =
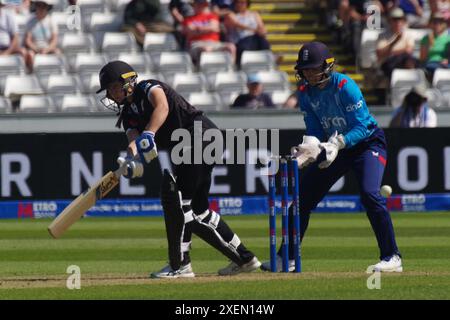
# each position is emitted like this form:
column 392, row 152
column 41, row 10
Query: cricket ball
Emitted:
column 386, row 191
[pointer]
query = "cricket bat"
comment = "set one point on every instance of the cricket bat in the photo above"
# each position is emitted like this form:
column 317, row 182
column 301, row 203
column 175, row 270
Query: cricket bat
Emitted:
column 76, row 209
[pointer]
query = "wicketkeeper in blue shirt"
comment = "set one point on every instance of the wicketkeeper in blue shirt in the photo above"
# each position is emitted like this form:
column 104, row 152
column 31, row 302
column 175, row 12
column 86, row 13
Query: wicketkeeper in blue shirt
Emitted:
column 341, row 135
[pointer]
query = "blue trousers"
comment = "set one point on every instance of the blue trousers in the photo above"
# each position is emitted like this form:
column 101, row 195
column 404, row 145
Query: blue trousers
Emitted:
column 367, row 160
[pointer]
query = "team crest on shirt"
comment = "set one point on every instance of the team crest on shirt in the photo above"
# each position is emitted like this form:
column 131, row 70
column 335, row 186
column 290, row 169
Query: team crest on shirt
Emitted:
column 316, row 105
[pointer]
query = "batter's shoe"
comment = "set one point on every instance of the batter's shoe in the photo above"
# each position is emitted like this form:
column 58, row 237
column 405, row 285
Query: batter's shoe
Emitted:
column 168, row 273
column 389, row 264
column 265, row 266
column 233, row 268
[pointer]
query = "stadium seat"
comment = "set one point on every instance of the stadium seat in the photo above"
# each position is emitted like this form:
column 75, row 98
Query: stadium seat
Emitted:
column 38, row 104
column 280, row 97
column 254, row 61
column 10, row 65
column 215, row 61
column 368, row 55
column 78, row 103
column 139, row 61
column 435, row 99
column 151, row 75
column 90, row 82
column 62, row 84
column 205, row 100
column 45, row 64
column 16, row 86
column 407, row 78
column 105, row 21
column 233, row 81
column 73, row 42
column 5, row 105
column 155, row 43
column 118, row 42
column 170, row 63
column 88, row 63
column 402, row 80
column 441, row 80
column 274, row 80
column 185, row 83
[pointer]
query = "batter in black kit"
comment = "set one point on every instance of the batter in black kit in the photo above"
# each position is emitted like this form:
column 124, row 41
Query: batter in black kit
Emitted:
column 150, row 111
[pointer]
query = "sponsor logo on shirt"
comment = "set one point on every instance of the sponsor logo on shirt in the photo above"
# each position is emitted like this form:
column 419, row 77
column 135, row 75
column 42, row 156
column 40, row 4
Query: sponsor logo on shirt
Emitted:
column 353, row 107
column 328, row 122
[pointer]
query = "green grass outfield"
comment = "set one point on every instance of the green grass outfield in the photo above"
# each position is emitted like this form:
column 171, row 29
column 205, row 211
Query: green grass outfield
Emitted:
column 116, row 256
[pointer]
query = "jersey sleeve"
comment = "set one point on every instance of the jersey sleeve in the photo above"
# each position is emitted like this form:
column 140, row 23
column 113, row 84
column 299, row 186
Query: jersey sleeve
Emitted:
column 312, row 123
column 359, row 120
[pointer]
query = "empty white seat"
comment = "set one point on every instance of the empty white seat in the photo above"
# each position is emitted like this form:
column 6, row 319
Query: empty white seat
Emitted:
column 5, row 105
column 62, row 84
column 90, row 82
column 73, row 43
column 11, row 64
column 21, row 22
column 407, row 78
column 280, row 97
column 441, row 79
column 368, row 54
column 174, row 62
column 118, row 42
column 38, row 104
column 140, row 62
column 105, row 21
column 151, row 75
column 88, row 63
column 189, row 82
column 159, row 42
column 48, row 63
column 274, row 80
column 223, row 82
column 215, row 61
column 254, row 61
column 78, row 103
column 22, row 85
column 205, row 100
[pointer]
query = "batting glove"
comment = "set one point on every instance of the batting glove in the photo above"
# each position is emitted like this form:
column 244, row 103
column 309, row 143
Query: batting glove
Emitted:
column 332, row 147
column 132, row 168
column 306, row 152
column 146, row 146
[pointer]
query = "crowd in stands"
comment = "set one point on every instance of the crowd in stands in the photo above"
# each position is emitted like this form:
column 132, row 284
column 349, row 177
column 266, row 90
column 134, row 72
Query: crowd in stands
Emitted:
column 198, row 25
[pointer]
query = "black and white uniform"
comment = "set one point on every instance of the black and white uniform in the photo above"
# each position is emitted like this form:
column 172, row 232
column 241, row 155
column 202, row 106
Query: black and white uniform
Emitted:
column 193, row 180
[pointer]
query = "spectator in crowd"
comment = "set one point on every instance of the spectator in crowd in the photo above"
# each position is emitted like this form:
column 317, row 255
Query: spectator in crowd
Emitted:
column 353, row 15
column 179, row 10
column 9, row 38
column 395, row 47
column 143, row 16
column 442, row 6
column 414, row 111
column 222, row 7
column 41, row 33
column 435, row 47
column 202, row 31
column 246, row 29
column 414, row 12
column 255, row 98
